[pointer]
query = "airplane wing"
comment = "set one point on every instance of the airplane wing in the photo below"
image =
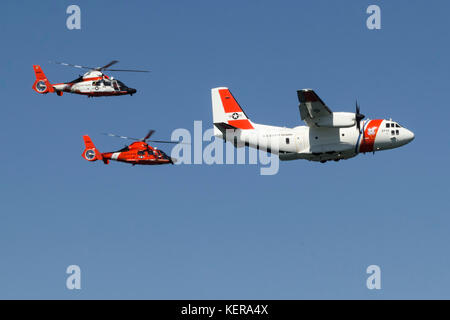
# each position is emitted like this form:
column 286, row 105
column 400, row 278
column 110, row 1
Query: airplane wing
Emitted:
column 311, row 107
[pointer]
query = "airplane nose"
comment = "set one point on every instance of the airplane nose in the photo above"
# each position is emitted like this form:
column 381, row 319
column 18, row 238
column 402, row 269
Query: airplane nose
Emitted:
column 131, row 90
column 409, row 136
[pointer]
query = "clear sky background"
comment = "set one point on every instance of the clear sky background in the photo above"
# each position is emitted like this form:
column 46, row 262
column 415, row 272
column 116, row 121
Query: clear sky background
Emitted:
column 223, row 231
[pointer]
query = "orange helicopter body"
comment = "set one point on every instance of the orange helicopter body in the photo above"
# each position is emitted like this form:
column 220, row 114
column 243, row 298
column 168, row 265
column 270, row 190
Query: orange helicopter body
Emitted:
column 138, row 152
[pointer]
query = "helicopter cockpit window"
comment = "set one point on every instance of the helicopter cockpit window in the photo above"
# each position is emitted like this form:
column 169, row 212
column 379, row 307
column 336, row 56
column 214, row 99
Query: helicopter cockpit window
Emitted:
column 121, row 84
column 164, row 155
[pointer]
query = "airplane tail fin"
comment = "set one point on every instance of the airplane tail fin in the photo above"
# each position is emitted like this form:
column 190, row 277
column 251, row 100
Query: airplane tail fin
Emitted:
column 90, row 152
column 227, row 111
column 41, row 84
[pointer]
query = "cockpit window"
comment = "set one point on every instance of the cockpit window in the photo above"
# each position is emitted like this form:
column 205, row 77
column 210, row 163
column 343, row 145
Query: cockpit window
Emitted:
column 121, row 85
column 397, row 125
column 165, row 156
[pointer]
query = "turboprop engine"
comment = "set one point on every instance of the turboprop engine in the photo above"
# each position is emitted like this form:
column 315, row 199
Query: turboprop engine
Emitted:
column 337, row 120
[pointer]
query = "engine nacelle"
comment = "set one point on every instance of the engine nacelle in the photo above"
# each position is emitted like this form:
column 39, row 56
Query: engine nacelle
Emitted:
column 337, row 120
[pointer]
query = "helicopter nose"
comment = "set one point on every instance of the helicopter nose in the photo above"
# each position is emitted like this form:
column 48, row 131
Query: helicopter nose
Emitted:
column 131, row 90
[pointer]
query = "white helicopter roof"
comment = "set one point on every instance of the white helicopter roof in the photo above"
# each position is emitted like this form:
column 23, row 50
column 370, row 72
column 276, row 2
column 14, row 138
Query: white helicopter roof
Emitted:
column 92, row 74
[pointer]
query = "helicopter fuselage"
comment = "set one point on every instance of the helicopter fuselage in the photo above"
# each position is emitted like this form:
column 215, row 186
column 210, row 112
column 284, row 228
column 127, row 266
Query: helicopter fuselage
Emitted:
column 93, row 83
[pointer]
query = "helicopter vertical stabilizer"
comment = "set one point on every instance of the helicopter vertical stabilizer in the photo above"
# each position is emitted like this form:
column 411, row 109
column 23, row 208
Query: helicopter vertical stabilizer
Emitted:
column 90, row 153
column 41, row 85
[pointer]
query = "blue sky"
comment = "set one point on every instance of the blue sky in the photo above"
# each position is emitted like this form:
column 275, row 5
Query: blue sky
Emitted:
column 223, row 231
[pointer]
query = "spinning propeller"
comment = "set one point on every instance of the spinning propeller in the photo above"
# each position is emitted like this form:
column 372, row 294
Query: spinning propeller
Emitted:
column 358, row 116
column 104, row 68
column 145, row 139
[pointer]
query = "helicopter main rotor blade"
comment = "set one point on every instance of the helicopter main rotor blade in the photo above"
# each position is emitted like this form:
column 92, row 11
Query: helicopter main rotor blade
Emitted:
column 126, row 70
column 149, row 134
column 107, row 65
column 163, row 141
column 121, row 137
column 72, row 65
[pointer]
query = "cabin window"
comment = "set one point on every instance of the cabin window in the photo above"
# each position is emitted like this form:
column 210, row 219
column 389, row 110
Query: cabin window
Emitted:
column 392, row 132
column 141, row 153
column 388, row 125
column 287, row 140
column 396, row 132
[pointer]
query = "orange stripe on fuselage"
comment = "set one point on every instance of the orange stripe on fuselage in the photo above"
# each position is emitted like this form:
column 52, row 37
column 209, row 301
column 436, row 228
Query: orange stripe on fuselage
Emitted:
column 370, row 133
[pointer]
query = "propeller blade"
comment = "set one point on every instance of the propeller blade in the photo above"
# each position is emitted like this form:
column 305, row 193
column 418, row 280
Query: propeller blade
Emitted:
column 126, row 70
column 107, row 65
column 149, row 134
column 358, row 116
column 121, row 137
column 72, row 65
column 163, row 141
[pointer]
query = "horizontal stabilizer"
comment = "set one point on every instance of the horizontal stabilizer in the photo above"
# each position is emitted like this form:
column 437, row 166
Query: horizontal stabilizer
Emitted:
column 222, row 126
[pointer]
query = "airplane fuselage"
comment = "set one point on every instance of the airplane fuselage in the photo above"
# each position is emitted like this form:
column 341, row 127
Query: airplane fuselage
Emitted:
column 323, row 144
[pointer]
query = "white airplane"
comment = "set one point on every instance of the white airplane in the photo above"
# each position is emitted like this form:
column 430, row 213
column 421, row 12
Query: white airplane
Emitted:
column 327, row 135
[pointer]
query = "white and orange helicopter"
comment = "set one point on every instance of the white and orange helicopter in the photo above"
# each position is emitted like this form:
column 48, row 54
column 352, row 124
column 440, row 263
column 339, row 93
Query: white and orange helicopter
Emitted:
column 93, row 83
column 327, row 136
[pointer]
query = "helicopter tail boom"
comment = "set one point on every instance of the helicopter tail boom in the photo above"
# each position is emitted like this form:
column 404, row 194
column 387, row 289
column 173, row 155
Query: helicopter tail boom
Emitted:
column 41, row 84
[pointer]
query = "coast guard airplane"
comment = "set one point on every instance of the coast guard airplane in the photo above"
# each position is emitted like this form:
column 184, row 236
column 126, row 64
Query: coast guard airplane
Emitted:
column 327, row 135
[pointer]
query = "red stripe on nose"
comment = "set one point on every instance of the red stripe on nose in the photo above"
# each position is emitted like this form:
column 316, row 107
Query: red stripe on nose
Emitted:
column 370, row 133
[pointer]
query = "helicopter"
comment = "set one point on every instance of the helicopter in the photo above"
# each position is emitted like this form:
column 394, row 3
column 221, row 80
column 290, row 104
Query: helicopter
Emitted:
column 94, row 83
column 139, row 152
